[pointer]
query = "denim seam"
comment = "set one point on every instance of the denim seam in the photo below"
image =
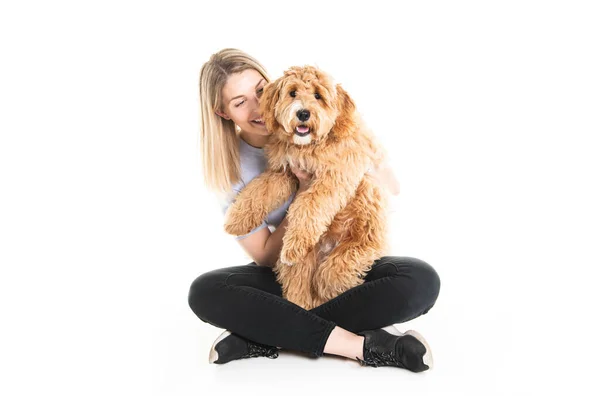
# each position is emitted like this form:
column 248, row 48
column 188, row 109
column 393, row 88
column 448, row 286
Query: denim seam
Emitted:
column 242, row 273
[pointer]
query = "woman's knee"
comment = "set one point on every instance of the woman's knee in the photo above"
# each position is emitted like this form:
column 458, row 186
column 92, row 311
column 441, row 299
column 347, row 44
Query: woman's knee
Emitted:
column 203, row 294
column 427, row 276
column 424, row 278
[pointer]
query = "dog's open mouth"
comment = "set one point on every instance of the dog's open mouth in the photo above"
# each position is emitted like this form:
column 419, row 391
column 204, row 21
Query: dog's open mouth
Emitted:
column 302, row 130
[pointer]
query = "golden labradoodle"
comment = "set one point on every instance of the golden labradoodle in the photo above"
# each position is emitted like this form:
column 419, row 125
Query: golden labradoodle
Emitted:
column 337, row 227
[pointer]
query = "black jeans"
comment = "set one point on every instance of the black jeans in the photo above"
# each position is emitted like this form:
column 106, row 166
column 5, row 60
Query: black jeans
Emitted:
column 246, row 300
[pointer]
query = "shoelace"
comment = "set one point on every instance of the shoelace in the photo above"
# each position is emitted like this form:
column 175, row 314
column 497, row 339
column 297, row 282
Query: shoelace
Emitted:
column 256, row 350
column 376, row 359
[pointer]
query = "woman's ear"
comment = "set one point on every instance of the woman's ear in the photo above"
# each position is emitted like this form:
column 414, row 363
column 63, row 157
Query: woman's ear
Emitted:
column 346, row 108
column 268, row 103
column 222, row 115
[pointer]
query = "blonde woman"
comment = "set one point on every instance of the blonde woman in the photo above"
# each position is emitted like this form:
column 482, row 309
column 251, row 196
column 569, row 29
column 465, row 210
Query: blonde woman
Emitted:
column 246, row 300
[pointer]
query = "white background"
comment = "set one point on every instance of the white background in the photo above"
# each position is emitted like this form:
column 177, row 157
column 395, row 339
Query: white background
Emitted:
column 490, row 113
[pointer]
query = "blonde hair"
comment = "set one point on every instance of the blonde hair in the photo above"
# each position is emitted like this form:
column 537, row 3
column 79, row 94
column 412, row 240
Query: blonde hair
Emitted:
column 219, row 140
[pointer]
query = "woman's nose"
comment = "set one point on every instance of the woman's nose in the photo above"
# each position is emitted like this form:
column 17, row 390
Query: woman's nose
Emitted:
column 255, row 99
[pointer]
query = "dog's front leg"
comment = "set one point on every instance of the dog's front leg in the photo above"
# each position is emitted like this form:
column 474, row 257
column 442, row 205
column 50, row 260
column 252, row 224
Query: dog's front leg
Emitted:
column 312, row 212
column 260, row 197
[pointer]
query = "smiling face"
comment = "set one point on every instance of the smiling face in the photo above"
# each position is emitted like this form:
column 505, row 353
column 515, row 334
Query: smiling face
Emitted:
column 302, row 106
column 240, row 95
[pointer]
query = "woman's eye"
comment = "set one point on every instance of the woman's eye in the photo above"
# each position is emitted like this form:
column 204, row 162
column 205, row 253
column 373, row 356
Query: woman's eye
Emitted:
column 317, row 96
column 293, row 94
column 259, row 92
column 240, row 103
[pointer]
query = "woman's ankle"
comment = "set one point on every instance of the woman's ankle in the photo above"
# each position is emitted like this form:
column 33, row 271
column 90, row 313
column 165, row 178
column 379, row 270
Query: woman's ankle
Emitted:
column 341, row 342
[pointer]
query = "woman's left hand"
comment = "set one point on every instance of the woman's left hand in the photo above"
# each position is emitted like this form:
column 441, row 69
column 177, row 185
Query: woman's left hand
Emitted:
column 304, row 178
column 384, row 175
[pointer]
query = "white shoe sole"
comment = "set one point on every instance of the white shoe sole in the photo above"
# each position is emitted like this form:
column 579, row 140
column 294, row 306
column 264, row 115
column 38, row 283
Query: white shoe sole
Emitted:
column 392, row 330
column 214, row 355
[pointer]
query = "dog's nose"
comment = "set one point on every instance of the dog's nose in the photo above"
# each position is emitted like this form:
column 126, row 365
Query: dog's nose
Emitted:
column 303, row 115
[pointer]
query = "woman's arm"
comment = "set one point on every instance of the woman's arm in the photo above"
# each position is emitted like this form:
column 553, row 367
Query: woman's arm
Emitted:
column 264, row 246
column 274, row 244
column 254, row 246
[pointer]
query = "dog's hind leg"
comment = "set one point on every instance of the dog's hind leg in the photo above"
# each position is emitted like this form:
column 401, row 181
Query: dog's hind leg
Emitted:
column 296, row 281
column 363, row 242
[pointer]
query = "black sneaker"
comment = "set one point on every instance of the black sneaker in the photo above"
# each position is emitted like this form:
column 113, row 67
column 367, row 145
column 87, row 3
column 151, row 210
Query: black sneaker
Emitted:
column 229, row 346
column 409, row 351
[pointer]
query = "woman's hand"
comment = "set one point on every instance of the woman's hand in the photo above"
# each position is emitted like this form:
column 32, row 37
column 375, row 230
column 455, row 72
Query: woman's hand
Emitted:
column 304, row 178
column 385, row 176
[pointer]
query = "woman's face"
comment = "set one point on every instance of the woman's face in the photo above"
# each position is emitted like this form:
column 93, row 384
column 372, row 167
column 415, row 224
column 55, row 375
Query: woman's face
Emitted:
column 240, row 101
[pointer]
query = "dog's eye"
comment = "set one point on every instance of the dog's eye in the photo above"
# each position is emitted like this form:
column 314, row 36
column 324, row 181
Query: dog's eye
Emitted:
column 293, row 94
column 317, row 96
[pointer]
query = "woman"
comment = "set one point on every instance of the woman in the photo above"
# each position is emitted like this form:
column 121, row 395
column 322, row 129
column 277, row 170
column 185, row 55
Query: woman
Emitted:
column 246, row 300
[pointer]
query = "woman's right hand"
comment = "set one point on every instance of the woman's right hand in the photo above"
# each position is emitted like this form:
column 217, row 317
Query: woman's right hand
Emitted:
column 304, row 178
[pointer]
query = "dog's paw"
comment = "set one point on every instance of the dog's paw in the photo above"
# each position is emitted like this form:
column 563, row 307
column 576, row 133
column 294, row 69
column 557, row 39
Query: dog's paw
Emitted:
column 333, row 278
column 286, row 258
column 235, row 229
column 295, row 247
column 295, row 254
column 240, row 223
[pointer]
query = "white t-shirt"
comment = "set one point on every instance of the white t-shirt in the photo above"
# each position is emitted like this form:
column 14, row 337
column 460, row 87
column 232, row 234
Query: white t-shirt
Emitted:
column 253, row 162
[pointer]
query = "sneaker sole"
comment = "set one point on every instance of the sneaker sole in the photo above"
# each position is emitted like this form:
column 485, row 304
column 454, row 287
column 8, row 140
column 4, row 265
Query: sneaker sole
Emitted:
column 428, row 357
column 392, row 330
column 214, row 355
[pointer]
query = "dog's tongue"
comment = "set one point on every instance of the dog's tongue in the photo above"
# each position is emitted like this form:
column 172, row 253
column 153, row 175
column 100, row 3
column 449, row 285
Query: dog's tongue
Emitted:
column 302, row 129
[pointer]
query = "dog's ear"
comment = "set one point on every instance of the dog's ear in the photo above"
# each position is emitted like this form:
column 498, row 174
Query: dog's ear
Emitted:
column 344, row 122
column 268, row 102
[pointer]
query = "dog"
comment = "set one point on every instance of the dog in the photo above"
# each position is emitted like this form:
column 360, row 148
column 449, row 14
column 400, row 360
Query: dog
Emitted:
column 337, row 227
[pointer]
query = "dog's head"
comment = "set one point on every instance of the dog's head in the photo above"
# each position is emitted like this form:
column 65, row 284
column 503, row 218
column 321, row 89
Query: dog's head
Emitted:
column 304, row 106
